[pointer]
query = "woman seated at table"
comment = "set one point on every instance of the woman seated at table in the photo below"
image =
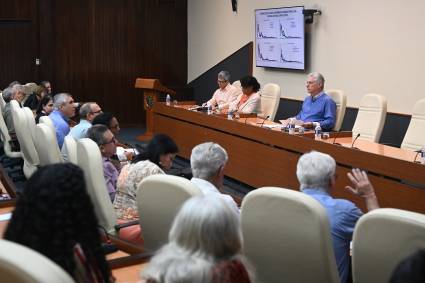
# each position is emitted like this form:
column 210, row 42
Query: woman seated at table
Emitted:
column 55, row 216
column 205, row 245
column 158, row 156
column 249, row 101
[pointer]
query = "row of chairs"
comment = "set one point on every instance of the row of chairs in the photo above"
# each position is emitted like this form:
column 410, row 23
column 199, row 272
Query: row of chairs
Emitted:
column 370, row 118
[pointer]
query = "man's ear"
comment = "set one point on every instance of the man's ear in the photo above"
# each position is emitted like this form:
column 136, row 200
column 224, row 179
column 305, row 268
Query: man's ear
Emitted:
column 102, row 148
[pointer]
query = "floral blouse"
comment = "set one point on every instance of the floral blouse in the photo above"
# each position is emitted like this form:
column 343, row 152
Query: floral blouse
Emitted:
column 128, row 181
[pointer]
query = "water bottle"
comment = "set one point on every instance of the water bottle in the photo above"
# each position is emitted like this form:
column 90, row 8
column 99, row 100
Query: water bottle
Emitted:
column 291, row 126
column 168, row 100
column 229, row 115
column 318, row 132
column 423, row 155
column 209, row 109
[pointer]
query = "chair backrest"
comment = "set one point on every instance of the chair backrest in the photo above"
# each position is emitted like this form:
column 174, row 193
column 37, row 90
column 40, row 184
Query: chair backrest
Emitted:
column 237, row 84
column 287, row 237
column 159, row 198
column 382, row 238
column 2, row 102
column 69, row 150
column 415, row 135
column 47, row 145
column 270, row 98
column 341, row 103
column 20, row 264
column 24, row 133
column 371, row 117
column 90, row 160
column 46, row 120
column 5, row 137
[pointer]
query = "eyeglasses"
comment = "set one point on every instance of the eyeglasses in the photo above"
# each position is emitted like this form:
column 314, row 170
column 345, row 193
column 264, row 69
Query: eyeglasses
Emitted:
column 113, row 140
column 96, row 112
column 221, row 82
column 310, row 82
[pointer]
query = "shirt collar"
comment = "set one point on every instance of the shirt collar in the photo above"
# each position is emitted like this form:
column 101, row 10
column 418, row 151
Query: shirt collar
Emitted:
column 315, row 191
column 317, row 96
column 203, row 183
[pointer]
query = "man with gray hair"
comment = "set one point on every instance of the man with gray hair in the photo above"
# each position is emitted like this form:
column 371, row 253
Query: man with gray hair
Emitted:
column 64, row 108
column 87, row 113
column 316, row 174
column 225, row 94
column 318, row 106
column 16, row 92
column 208, row 161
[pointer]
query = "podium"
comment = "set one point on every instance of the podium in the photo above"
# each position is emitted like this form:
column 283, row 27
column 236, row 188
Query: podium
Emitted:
column 152, row 88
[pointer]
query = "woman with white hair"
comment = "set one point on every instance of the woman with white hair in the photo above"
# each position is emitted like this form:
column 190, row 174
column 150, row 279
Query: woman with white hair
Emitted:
column 205, row 245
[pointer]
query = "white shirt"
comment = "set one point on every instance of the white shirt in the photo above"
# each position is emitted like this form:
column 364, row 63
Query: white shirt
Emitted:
column 209, row 189
column 224, row 97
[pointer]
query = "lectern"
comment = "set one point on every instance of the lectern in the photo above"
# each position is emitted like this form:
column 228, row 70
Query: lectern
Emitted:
column 151, row 90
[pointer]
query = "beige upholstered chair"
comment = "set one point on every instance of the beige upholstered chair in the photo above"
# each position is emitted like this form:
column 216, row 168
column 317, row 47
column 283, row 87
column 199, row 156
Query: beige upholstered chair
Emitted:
column 5, row 138
column 47, row 145
column 69, row 150
column 287, row 237
column 415, row 135
column 270, row 98
column 371, row 117
column 2, row 102
column 237, row 84
column 382, row 238
column 19, row 264
column 159, row 197
column 46, row 120
column 25, row 137
column 341, row 103
column 90, row 160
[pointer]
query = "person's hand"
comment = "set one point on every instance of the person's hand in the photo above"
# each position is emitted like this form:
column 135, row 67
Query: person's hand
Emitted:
column 129, row 155
column 308, row 125
column 361, row 185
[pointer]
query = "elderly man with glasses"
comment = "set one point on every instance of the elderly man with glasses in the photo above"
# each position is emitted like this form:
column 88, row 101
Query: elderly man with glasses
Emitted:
column 106, row 141
column 225, row 94
column 87, row 113
column 318, row 106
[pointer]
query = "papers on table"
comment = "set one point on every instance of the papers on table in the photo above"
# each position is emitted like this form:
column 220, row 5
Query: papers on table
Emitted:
column 298, row 123
column 271, row 126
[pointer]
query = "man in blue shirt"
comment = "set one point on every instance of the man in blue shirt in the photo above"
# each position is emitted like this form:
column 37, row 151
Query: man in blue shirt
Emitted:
column 318, row 106
column 64, row 108
column 87, row 113
column 316, row 174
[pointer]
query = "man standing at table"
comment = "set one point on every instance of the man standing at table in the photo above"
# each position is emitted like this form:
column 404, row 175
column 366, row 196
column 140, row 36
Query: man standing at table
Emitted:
column 318, row 106
column 225, row 94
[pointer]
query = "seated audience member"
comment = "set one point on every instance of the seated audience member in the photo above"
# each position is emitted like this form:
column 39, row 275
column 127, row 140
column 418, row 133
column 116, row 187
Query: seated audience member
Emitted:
column 105, row 139
column 87, row 113
column 158, row 156
column 16, row 92
column 205, row 245
column 33, row 100
column 64, row 108
column 208, row 161
column 225, row 94
column 55, row 217
column 249, row 101
column 411, row 269
column 44, row 108
column 318, row 106
column 110, row 121
column 316, row 174
column 48, row 87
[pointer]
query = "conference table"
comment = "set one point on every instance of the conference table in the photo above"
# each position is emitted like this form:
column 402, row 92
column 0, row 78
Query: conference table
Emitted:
column 261, row 155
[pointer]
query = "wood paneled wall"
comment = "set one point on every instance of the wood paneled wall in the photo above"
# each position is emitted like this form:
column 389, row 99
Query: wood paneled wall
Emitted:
column 95, row 49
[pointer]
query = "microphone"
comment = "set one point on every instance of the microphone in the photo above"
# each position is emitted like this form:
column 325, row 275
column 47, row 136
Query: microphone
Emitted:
column 264, row 120
column 352, row 145
column 336, row 135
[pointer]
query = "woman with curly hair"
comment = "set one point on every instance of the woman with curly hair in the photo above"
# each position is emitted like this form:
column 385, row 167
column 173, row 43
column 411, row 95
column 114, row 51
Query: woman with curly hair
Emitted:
column 205, row 246
column 55, row 216
column 249, row 101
